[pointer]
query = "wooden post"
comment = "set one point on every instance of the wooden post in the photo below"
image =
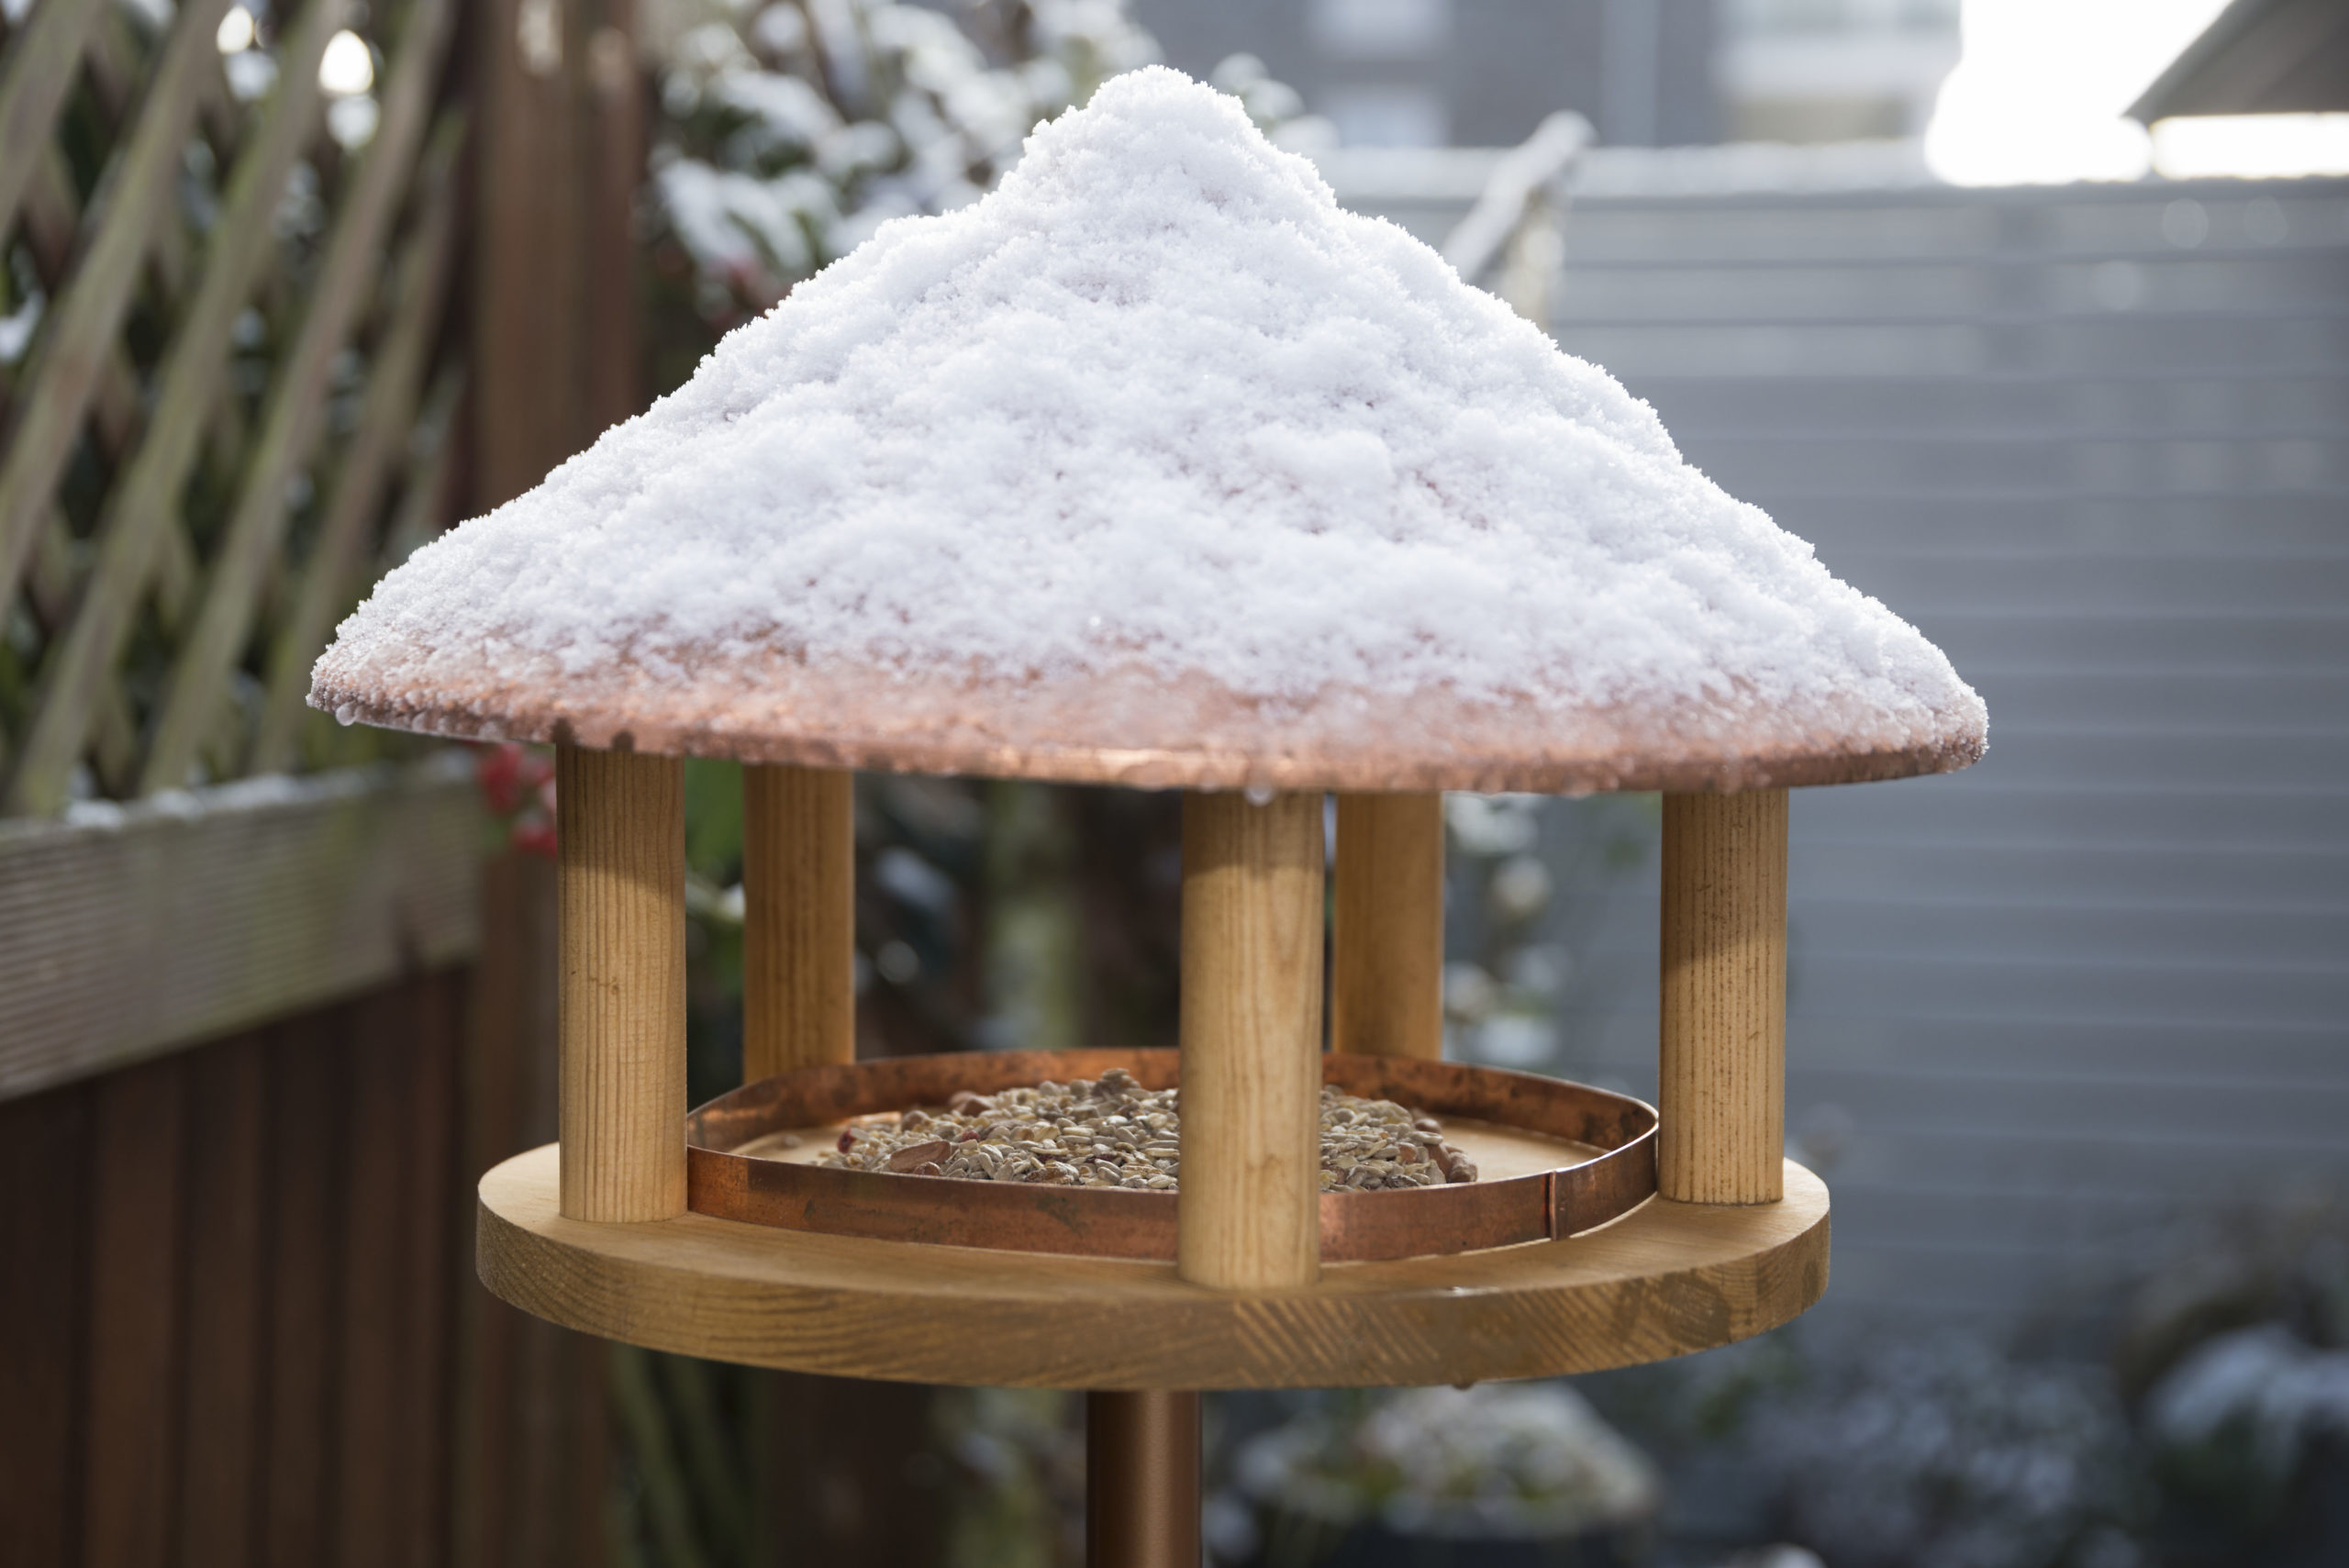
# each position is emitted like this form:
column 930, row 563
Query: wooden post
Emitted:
column 798, row 918
column 1387, row 930
column 1142, row 1479
column 1723, row 1047
column 1249, row 1218
column 621, row 863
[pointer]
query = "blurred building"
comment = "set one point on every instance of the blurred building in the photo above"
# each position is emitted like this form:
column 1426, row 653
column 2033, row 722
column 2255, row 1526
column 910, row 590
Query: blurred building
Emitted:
column 1468, row 72
column 2259, row 57
column 1806, row 70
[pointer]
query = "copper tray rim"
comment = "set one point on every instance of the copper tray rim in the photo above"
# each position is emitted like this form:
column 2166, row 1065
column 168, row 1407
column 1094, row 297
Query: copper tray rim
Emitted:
column 1357, row 1226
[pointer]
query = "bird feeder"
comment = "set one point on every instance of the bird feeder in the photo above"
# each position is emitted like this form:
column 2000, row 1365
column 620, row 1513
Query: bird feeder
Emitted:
column 960, row 507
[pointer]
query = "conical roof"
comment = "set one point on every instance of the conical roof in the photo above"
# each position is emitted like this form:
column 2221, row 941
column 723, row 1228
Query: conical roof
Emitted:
column 1155, row 467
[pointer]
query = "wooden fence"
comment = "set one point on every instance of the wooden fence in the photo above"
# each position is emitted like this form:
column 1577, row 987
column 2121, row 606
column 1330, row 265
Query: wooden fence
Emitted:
column 237, row 1311
column 274, row 307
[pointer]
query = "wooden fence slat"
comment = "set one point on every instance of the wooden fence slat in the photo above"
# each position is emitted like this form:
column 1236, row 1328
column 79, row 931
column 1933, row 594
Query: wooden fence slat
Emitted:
column 373, row 1222
column 53, row 223
column 145, row 500
column 310, row 1099
column 527, row 356
column 34, row 79
column 436, row 1256
column 52, row 216
column 513, row 1028
column 137, row 1142
column 423, row 508
column 395, row 385
column 296, row 405
column 114, row 60
column 532, row 1460
column 43, row 1310
column 220, row 1442
column 54, row 575
column 617, row 142
column 133, row 196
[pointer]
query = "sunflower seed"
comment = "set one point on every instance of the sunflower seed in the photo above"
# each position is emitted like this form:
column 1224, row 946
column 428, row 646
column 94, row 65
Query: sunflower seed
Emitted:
column 1111, row 1132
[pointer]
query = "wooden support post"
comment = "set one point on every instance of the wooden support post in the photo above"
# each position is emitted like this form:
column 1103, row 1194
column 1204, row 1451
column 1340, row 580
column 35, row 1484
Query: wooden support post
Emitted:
column 798, row 918
column 1723, row 1047
column 1387, row 930
column 621, row 867
column 1142, row 1479
column 1250, row 1215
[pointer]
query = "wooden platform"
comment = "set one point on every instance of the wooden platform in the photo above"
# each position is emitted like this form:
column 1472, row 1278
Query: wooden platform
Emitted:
column 1666, row 1280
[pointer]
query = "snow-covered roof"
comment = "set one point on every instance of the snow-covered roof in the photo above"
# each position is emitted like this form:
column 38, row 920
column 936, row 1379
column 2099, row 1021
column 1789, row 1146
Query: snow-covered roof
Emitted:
column 1155, row 466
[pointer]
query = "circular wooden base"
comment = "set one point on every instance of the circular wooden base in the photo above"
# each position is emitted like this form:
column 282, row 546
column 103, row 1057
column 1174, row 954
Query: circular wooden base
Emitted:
column 1666, row 1279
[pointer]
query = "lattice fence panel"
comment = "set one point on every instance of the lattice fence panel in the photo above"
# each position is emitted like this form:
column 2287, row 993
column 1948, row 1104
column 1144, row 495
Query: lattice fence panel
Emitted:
column 228, row 235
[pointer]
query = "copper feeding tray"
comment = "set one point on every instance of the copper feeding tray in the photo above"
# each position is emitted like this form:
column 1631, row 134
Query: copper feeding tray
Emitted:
column 1563, row 1158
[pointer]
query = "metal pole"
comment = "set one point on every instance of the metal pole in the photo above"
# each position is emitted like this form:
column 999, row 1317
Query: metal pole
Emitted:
column 1142, row 1479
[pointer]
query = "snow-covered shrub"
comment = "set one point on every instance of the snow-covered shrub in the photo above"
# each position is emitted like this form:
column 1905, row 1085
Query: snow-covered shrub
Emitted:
column 1495, row 1462
column 788, row 132
column 1938, row 1451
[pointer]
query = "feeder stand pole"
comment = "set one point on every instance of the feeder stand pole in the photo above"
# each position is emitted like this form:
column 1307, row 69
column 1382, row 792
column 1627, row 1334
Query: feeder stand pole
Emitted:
column 620, row 875
column 1142, row 1479
column 1721, row 1047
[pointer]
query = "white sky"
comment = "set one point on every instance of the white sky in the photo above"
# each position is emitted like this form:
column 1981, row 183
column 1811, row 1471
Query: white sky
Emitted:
column 2038, row 97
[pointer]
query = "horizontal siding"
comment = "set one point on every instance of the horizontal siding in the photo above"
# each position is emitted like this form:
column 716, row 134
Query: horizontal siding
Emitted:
column 1777, row 471
column 1838, row 345
column 2039, row 408
column 2021, row 1049
column 2155, row 875
column 2022, row 285
column 2103, row 976
column 2243, row 219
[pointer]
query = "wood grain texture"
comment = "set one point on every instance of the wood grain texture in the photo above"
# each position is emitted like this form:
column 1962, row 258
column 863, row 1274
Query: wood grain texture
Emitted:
column 532, row 1454
column 229, row 1199
column 137, row 1232
column 44, row 1302
column 1666, row 1280
column 1387, row 927
column 1141, row 1479
column 373, row 1381
column 1722, row 1049
column 1252, row 1042
column 621, row 852
column 431, row 1281
column 309, row 1107
column 798, row 918
column 134, row 931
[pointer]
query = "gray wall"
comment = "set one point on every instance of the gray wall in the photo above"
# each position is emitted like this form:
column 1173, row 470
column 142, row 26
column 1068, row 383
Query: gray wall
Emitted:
column 2095, row 441
column 1506, row 63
